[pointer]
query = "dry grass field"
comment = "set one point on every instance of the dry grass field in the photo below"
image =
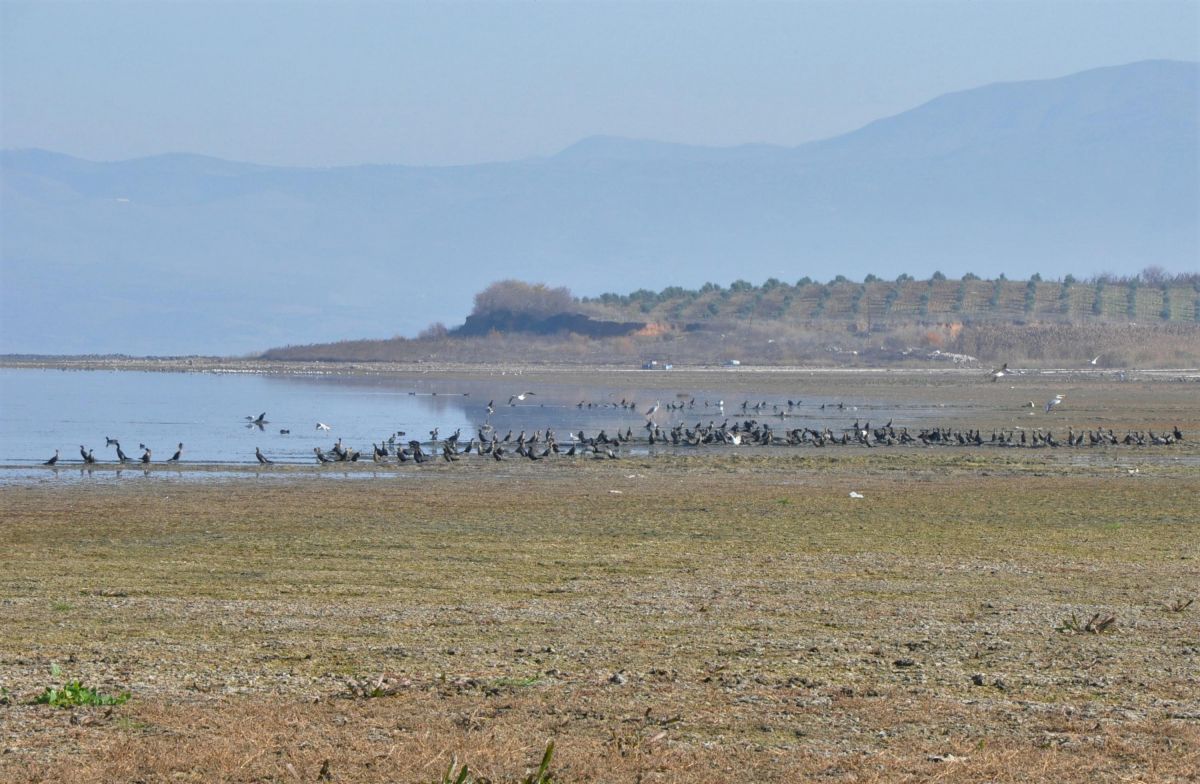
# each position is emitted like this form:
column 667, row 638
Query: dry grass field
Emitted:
column 709, row 618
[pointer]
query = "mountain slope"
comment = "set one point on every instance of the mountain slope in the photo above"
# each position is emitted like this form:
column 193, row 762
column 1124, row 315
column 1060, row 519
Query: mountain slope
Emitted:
column 179, row 253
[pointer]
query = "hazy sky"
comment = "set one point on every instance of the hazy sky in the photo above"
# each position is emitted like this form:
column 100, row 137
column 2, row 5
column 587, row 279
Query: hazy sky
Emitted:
column 340, row 83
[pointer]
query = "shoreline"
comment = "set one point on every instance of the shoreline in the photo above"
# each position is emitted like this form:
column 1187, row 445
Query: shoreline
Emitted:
column 329, row 368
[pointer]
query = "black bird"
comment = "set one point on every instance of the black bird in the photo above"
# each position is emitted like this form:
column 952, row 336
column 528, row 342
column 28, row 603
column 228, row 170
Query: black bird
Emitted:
column 321, row 458
column 178, row 454
column 121, row 456
column 261, row 457
column 83, row 453
column 146, row 456
column 110, row 441
column 52, row 460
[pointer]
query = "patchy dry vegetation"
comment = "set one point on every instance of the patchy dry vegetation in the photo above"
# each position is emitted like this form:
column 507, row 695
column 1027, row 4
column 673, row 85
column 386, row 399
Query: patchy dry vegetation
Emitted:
column 729, row 618
column 1150, row 320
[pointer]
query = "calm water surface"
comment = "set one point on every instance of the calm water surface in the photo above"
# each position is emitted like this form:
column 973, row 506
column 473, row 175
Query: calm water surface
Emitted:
column 44, row 410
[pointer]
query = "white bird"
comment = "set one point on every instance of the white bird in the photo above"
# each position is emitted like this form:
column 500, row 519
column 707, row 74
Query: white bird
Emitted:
column 323, row 426
column 652, row 409
column 856, row 495
column 521, row 396
column 1054, row 401
column 1095, row 359
column 999, row 372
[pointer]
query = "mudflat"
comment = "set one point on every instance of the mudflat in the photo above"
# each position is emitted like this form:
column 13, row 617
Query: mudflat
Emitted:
column 978, row 614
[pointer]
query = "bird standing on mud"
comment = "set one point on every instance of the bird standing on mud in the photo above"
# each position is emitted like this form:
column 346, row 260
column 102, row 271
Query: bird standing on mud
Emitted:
column 1054, row 402
column 121, row 456
column 52, row 460
column 178, row 454
column 263, row 459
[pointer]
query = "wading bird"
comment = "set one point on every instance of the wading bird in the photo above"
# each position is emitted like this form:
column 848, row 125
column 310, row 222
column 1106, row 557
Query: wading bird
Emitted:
column 261, row 457
column 1054, row 402
column 52, row 460
column 178, row 454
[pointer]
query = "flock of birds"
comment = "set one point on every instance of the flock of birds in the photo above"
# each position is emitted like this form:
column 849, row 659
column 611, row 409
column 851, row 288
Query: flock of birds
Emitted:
column 750, row 428
column 544, row 444
column 89, row 455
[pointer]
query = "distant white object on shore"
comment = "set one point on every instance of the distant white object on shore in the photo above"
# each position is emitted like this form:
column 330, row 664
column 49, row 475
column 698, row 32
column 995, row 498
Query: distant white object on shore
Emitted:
column 856, row 495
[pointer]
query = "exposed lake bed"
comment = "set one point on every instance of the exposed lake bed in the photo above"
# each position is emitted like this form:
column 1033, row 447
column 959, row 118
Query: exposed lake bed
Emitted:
column 683, row 614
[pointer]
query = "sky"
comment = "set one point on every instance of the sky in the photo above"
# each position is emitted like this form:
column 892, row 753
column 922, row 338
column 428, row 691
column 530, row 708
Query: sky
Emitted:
column 328, row 84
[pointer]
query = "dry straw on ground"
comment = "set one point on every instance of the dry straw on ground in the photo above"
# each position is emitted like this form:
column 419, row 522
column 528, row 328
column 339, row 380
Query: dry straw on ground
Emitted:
column 723, row 618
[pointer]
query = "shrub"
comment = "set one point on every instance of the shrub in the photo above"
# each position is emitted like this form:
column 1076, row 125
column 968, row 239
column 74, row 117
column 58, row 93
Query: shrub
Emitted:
column 75, row 694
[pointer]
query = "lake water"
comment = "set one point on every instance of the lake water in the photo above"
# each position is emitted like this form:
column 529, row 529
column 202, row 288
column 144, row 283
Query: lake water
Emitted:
column 44, row 410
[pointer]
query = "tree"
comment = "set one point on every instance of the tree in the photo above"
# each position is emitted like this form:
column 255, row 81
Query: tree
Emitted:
column 1153, row 275
column 434, row 331
column 517, row 296
column 939, row 276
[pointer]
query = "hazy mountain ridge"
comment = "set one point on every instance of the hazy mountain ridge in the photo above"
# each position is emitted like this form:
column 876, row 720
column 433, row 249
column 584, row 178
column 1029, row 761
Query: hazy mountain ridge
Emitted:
column 1091, row 172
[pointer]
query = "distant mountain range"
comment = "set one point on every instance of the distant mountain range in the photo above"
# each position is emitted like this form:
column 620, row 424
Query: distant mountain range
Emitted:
column 1092, row 172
